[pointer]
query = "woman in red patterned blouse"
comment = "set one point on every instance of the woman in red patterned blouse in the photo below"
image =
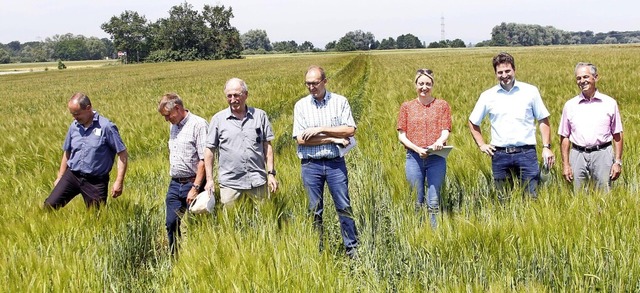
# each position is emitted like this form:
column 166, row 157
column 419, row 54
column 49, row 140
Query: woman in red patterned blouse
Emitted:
column 424, row 124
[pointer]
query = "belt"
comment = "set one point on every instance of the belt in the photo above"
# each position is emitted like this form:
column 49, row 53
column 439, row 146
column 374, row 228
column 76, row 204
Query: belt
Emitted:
column 184, row 180
column 89, row 176
column 321, row 159
column 515, row 149
column 591, row 148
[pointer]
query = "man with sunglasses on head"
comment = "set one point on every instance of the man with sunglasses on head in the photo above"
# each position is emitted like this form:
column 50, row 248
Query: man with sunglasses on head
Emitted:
column 242, row 136
column 513, row 108
column 590, row 134
column 187, row 135
column 322, row 124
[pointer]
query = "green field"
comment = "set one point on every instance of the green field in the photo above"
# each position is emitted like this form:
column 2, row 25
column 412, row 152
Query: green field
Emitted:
column 562, row 242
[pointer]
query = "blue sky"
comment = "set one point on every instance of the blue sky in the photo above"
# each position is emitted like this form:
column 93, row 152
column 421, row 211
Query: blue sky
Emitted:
column 323, row 21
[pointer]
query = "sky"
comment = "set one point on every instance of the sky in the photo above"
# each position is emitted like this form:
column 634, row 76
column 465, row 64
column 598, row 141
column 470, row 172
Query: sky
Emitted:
column 321, row 22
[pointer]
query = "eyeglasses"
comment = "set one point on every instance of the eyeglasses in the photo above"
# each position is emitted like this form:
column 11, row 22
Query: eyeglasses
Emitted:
column 229, row 96
column 424, row 71
column 313, row 83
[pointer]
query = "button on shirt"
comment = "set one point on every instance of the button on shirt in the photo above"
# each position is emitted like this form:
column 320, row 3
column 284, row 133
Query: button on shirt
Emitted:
column 333, row 110
column 240, row 144
column 590, row 122
column 186, row 145
column 512, row 114
column 93, row 149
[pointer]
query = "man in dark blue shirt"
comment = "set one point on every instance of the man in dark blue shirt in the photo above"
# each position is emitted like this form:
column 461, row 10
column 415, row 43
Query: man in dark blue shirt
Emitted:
column 90, row 147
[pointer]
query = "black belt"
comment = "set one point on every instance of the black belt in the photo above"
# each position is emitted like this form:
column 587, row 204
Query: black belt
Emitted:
column 89, row 176
column 591, row 148
column 321, row 159
column 515, row 149
column 184, row 180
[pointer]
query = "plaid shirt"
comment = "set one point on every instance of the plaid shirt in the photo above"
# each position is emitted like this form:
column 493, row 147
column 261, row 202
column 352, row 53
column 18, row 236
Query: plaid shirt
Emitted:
column 186, row 145
column 333, row 110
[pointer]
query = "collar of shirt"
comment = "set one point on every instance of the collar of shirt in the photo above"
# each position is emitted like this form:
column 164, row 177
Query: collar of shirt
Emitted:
column 327, row 97
column 95, row 118
column 583, row 99
column 515, row 88
column 184, row 120
column 229, row 115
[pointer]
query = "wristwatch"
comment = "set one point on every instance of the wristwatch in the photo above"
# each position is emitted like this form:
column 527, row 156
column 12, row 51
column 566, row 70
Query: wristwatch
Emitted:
column 196, row 186
column 619, row 162
column 546, row 145
column 272, row 172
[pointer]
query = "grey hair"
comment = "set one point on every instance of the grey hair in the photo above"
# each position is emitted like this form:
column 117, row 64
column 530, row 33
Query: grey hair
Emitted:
column 243, row 85
column 169, row 101
column 592, row 67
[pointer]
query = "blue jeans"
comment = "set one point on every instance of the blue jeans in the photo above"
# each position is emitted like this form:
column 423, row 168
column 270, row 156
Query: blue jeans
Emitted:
column 334, row 172
column 176, row 202
column 426, row 174
column 523, row 164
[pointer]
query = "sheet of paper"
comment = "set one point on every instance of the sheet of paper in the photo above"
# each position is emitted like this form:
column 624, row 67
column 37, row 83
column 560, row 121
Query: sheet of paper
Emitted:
column 345, row 150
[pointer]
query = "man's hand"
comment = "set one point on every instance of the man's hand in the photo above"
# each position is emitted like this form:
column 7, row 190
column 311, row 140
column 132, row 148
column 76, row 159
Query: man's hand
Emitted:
column 548, row 158
column 210, row 185
column 615, row 172
column 342, row 142
column 273, row 183
column 567, row 173
column 488, row 149
column 311, row 132
column 191, row 196
column 117, row 189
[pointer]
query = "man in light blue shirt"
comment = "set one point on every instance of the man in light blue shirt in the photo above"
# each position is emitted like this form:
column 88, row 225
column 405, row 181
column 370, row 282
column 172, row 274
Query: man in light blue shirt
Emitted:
column 512, row 107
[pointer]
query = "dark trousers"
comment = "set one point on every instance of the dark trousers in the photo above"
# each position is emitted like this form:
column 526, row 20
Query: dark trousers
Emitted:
column 94, row 190
column 176, row 202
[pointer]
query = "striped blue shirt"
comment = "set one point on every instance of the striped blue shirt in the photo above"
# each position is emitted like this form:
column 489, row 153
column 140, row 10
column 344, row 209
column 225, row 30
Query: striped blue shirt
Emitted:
column 333, row 110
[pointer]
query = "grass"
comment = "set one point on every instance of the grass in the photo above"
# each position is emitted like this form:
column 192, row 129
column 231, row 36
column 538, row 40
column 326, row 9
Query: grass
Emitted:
column 562, row 242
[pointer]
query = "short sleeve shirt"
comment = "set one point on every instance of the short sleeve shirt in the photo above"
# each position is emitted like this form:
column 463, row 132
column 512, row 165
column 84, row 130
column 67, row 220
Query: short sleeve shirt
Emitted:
column 240, row 145
column 590, row 122
column 512, row 114
column 332, row 111
column 186, row 145
column 92, row 150
column 422, row 123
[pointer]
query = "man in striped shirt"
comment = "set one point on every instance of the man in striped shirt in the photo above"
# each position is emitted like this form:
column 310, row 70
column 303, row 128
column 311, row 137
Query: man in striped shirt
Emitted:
column 322, row 124
column 187, row 136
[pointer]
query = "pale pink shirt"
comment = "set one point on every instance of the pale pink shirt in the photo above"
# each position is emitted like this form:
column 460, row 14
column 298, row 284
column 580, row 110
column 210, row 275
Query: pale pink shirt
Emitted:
column 590, row 122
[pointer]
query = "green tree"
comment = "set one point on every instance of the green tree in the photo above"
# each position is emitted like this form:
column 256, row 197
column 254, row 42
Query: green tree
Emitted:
column 408, row 41
column 255, row 40
column 361, row 40
column 224, row 38
column 95, row 49
column 129, row 32
column 306, row 46
column 68, row 47
column 346, row 44
column 330, row 46
column 387, row 44
column 286, row 46
column 5, row 57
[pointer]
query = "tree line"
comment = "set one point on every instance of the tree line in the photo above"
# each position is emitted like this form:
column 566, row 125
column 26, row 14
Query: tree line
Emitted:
column 188, row 34
column 514, row 34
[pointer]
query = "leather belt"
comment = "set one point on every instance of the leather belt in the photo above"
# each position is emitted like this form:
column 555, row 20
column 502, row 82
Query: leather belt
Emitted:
column 515, row 149
column 184, row 180
column 591, row 148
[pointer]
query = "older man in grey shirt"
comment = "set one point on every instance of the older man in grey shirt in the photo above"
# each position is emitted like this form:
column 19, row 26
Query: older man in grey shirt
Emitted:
column 242, row 136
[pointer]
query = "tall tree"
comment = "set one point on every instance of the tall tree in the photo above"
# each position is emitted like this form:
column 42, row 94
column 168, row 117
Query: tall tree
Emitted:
column 129, row 32
column 255, row 40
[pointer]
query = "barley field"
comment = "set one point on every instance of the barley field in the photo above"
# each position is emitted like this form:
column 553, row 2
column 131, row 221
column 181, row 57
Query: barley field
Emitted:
column 561, row 242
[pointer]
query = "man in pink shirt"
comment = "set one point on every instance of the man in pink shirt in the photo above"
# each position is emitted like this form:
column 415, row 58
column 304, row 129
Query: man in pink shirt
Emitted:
column 590, row 133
